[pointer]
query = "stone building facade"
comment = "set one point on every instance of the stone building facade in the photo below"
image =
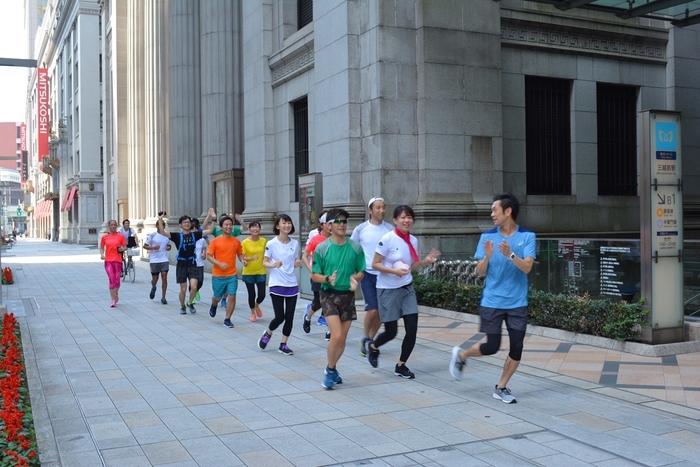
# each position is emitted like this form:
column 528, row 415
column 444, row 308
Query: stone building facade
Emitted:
column 438, row 105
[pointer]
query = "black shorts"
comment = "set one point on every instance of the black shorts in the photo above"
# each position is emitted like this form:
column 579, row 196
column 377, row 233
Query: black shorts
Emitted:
column 492, row 319
column 185, row 272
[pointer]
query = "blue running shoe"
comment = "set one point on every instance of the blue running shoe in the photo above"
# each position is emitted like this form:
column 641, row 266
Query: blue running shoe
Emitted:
column 334, row 375
column 328, row 381
column 322, row 321
column 223, row 302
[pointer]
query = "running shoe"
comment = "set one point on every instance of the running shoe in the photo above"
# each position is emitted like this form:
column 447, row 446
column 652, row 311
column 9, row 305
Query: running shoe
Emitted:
column 328, row 335
column 223, row 302
column 228, row 323
column 334, row 375
column 258, row 311
column 322, row 321
column 456, row 364
column 262, row 343
column 372, row 355
column 403, row 372
column 153, row 293
column 328, row 381
column 284, row 349
column 112, row 305
column 163, row 301
column 183, row 310
column 212, row 311
column 504, row 395
column 253, row 318
column 191, row 307
column 197, row 297
column 363, row 346
column 306, row 324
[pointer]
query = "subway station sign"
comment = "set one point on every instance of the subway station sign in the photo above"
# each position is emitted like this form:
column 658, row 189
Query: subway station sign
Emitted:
column 661, row 199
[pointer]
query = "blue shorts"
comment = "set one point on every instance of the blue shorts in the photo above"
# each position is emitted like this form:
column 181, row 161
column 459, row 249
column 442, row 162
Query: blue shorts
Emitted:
column 224, row 285
column 368, row 284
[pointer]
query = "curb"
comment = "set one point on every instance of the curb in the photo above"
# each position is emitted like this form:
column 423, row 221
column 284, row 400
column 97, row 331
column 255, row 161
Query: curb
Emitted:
column 636, row 348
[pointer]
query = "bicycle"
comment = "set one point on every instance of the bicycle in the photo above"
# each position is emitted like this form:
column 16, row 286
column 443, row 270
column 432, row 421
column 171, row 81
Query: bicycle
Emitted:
column 128, row 268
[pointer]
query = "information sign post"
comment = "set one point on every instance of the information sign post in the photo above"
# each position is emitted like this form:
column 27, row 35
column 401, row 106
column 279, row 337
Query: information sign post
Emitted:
column 661, row 202
column 310, row 204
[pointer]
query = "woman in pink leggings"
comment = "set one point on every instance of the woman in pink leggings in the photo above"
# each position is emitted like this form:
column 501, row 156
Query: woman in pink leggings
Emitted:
column 112, row 245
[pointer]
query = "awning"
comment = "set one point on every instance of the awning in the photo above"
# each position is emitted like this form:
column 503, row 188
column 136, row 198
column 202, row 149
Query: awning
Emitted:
column 679, row 12
column 41, row 209
column 69, row 199
column 65, row 197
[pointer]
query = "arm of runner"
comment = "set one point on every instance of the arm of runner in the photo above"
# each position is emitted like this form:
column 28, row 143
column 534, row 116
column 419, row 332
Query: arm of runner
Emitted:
column 377, row 265
column 239, row 218
column 430, row 259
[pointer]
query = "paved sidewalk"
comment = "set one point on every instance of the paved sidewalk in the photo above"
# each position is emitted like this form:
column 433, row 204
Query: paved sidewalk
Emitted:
column 142, row 385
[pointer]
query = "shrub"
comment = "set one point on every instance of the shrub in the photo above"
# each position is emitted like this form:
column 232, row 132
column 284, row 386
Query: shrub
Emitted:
column 574, row 313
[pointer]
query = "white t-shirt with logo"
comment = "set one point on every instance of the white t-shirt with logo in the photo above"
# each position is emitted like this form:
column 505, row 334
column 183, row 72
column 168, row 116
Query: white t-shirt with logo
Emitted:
column 284, row 276
column 198, row 247
column 368, row 235
column 393, row 248
column 160, row 255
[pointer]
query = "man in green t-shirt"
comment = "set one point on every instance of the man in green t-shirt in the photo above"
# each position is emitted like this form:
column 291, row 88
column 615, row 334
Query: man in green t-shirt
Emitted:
column 339, row 265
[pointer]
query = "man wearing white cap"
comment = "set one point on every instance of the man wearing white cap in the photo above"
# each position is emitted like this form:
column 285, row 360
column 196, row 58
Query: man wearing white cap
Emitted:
column 368, row 235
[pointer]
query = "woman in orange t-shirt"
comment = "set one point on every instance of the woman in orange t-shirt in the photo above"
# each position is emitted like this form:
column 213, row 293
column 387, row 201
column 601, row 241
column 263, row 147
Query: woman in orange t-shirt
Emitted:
column 112, row 245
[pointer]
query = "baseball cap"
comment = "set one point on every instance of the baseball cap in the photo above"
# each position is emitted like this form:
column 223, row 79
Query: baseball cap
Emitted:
column 323, row 219
column 378, row 198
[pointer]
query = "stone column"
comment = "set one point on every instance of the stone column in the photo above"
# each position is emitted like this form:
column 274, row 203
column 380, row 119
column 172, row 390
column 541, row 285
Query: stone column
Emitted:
column 184, row 117
column 130, row 185
column 259, row 139
column 458, row 60
column 221, row 103
column 154, row 102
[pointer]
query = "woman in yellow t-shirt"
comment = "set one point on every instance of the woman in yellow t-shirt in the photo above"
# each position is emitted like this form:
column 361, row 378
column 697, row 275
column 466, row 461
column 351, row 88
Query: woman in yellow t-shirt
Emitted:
column 254, row 273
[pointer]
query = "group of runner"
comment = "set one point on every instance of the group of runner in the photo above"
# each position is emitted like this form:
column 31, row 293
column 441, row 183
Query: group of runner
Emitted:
column 378, row 257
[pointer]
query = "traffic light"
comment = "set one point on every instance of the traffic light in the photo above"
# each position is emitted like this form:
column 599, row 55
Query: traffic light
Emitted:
column 19, row 212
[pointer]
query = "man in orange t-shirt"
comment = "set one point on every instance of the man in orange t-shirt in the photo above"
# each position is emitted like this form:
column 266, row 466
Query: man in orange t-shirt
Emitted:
column 222, row 253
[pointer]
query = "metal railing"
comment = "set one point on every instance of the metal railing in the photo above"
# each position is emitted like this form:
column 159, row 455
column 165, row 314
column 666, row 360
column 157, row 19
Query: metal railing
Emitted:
column 463, row 272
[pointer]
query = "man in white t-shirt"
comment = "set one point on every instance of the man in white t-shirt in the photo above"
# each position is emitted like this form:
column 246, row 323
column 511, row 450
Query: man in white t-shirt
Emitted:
column 368, row 235
column 158, row 245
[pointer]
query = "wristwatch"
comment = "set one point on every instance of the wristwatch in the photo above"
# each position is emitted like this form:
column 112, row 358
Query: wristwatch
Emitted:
column 328, row 278
column 512, row 256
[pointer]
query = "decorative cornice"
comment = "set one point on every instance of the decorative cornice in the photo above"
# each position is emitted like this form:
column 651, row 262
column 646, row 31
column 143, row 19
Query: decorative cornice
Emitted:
column 292, row 67
column 607, row 43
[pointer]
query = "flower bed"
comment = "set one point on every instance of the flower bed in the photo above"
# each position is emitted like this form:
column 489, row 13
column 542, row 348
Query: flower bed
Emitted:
column 17, row 438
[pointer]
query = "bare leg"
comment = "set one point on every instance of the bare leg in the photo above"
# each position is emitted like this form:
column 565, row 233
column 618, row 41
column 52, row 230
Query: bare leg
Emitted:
column 372, row 323
column 193, row 289
column 339, row 334
column 230, row 305
column 183, row 290
column 164, row 281
column 509, row 368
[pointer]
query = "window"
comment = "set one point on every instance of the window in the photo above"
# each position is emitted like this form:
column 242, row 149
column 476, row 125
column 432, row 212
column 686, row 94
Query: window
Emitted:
column 305, row 12
column 617, row 140
column 75, row 78
column 301, row 141
column 548, row 136
column 101, row 118
column 100, row 68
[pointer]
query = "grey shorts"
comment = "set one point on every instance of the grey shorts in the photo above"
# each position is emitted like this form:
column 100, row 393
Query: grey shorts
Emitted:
column 157, row 268
column 396, row 303
column 492, row 319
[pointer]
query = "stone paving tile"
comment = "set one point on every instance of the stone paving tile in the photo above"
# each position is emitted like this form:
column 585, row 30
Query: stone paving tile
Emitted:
column 168, row 452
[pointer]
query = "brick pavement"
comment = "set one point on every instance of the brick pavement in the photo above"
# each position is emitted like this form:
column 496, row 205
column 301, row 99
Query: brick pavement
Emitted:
column 143, row 385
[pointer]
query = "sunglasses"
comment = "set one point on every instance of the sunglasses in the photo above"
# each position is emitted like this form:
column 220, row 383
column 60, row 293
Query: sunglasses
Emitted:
column 340, row 221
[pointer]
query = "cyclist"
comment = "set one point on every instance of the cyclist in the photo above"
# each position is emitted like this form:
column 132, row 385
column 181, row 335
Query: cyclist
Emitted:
column 132, row 240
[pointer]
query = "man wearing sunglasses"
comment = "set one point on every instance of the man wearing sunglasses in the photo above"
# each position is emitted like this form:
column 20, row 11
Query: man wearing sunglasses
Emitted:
column 339, row 265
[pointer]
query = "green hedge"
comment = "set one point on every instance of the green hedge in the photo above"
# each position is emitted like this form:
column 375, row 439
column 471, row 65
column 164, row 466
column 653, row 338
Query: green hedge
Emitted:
column 605, row 318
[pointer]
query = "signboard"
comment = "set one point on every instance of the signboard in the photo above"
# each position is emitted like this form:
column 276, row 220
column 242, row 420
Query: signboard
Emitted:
column 661, row 200
column 42, row 113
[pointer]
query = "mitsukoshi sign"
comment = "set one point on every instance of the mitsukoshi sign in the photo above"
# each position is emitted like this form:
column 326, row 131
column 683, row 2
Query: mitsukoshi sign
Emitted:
column 42, row 112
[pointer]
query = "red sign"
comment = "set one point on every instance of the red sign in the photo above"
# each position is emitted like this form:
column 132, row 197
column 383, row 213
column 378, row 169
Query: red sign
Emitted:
column 42, row 113
column 23, row 137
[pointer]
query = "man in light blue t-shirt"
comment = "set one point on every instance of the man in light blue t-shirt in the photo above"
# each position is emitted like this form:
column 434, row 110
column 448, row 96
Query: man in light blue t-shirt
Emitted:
column 506, row 254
